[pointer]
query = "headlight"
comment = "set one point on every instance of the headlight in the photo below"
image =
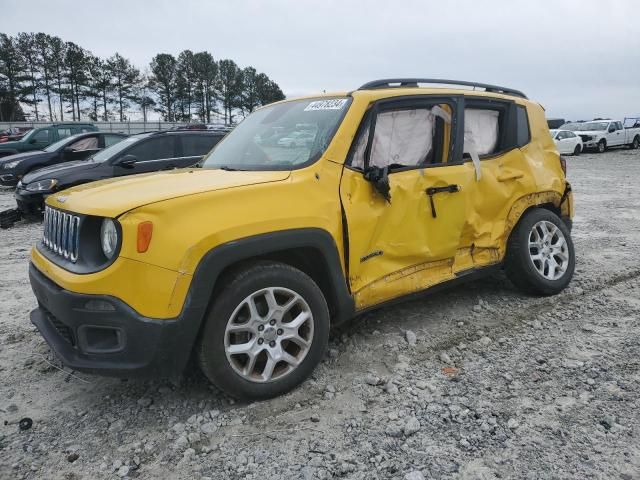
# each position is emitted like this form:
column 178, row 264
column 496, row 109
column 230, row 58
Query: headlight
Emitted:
column 13, row 164
column 108, row 238
column 42, row 185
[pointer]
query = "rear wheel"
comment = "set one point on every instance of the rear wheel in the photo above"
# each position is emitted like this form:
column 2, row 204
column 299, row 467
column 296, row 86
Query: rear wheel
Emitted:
column 266, row 332
column 540, row 255
column 577, row 150
column 636, row 142
column 602, row 146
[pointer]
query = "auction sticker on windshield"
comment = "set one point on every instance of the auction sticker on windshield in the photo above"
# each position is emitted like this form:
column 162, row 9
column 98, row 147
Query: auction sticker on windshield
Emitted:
column 333, row 104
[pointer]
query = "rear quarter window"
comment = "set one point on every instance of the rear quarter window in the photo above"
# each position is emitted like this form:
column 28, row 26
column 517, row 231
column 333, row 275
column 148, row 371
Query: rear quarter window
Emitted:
column 523, row 134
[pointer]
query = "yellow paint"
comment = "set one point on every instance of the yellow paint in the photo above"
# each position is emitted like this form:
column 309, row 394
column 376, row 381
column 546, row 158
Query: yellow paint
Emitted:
column 146, row 288
column 194, row 211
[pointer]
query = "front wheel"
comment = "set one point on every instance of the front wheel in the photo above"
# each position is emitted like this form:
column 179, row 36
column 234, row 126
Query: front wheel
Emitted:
column 577, row 150
column 602, row 146
column 266, row 332
column 540, row 255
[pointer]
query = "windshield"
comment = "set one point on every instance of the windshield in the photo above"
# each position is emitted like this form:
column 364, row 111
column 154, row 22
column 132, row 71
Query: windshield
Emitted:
column 109, row 152
column 28, row 135
column 60, row 143
column 280, row 136
column 586, row 126
column 553, row 133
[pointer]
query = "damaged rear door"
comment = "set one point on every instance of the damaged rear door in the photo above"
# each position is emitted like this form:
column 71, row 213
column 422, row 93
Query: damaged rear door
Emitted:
column 404, row 193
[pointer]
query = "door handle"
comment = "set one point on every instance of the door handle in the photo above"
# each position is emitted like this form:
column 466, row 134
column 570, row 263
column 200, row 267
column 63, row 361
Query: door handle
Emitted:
column 431, row 191
column 510, row 176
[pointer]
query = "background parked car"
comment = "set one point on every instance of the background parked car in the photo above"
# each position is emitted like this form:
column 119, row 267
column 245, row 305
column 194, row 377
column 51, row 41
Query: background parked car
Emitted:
column 567, row 142
column 42, row 137
column 75, row 147
column 13, row 133
column 147, row 152
column 297, row 139
column 604, row 133
column 555, row 123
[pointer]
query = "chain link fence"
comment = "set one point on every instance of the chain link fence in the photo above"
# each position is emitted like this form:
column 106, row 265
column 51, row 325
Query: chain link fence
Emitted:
column 129, row 128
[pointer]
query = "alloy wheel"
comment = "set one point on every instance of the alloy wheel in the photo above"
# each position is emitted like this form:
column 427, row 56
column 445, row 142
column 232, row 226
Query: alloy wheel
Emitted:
column 548, row 250
column 269, row 334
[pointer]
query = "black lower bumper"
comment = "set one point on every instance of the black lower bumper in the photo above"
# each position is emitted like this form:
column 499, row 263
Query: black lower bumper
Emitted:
column 101, row 334
column 8, row 179
column 29, row 203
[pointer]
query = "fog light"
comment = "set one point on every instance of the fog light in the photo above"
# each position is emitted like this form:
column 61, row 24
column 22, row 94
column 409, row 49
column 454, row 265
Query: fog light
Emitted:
column 99, row 339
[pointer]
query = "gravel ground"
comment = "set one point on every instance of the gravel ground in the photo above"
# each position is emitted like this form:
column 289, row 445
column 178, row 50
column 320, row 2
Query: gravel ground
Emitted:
column 479, row 382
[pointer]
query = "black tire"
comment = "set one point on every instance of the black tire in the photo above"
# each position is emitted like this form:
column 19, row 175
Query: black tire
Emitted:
column 519, row 266
column 635, row 144
column 602, row 146
column 577, row 150
column 211, row 346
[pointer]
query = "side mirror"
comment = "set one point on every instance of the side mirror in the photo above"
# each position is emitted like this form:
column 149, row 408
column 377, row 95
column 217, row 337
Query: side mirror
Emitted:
column 68, row 150
column 128, row 161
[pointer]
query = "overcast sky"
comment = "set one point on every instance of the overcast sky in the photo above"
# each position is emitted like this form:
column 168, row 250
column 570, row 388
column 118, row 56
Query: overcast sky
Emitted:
column 580, row 59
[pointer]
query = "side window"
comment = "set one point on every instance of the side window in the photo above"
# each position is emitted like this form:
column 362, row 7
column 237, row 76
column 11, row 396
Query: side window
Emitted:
column 63, row 132
column 482, row 131
column 619, row 125
column 562, row 135
column 42, row 136
column 523, row 134
column 154, row 149
column 111, row 140
column 407, row 137
column 569, row 134
column 86, row 129
column 198, row 145
column 89, row 143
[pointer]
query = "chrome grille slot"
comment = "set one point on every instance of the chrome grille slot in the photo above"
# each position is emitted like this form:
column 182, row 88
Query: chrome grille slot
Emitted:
column 61, row 233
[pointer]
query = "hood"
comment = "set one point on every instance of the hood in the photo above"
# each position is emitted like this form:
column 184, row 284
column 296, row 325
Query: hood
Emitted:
column 590, row 132
column 20, row 156
column 58, row 171
column 115, row 196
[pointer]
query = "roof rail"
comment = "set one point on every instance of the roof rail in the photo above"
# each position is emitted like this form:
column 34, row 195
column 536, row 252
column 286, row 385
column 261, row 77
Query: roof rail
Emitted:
column 413, row 82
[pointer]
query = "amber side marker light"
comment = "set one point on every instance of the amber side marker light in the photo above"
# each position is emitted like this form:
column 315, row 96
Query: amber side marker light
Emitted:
column 145, row 232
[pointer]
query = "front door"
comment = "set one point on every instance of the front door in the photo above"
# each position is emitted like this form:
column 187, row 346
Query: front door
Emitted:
column 404, row 194
column 152, row 154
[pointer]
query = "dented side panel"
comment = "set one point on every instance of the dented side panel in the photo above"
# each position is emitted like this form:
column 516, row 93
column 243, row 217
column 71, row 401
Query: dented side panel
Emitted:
column 397, row 247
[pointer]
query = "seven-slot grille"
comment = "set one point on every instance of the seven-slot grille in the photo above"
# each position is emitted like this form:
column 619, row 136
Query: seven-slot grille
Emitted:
column 61, row 233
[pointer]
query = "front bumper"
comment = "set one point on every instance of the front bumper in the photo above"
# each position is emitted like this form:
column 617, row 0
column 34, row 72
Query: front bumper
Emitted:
column 101, row 334
column 8, row 179
column 29, row 202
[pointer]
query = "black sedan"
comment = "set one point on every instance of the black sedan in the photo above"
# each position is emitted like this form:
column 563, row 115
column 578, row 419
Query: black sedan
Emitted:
column 143, row 153
column 75, row 147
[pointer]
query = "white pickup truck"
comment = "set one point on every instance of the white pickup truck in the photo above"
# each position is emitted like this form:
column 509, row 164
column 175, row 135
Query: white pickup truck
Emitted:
column 602, row 134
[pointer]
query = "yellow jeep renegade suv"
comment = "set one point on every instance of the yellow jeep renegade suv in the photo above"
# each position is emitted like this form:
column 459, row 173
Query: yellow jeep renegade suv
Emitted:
column 310, row 212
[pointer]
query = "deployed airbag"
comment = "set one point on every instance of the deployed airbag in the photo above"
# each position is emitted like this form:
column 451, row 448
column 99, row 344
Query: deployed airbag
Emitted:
column 402, row 137
column 481, row 128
